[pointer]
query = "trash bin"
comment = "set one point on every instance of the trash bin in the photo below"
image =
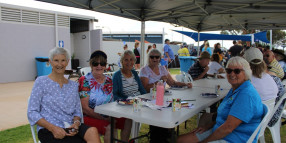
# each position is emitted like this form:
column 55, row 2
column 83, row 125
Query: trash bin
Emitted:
column 43, row 66
column 186, row 62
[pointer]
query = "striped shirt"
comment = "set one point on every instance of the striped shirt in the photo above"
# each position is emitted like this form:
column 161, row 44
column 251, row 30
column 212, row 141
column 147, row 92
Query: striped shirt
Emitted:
column 276, row 68
column 130, row 86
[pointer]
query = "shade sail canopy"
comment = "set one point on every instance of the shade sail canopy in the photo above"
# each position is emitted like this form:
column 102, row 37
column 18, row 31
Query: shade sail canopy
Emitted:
column 199, row 15
column 261, row 36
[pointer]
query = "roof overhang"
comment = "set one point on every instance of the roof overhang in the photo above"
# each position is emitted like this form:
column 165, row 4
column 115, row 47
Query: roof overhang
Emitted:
column 199, row 15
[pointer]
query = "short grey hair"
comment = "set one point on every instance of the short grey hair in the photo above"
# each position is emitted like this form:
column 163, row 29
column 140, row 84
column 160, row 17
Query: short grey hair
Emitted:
column 127, row 52
column 58, row 51
column 239, row 61
column 153, row 51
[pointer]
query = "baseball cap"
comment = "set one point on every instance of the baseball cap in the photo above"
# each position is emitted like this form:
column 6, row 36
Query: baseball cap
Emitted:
column 98, row 53
column 252, row 54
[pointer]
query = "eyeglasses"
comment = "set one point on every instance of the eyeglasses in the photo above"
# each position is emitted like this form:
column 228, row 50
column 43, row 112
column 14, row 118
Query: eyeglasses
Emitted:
column 236, row 71
column 152, row 57
column 267, row 56
column 95, row 64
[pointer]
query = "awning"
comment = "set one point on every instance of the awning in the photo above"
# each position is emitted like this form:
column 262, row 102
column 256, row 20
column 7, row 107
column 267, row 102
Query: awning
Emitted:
column 261, row 36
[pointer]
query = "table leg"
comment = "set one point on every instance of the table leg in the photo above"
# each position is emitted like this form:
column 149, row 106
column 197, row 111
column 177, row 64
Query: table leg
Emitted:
column 173, row 139
column 112, row 130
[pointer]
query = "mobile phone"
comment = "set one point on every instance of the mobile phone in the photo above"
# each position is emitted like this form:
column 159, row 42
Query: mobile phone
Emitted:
column 70, row 129
column 210, row 95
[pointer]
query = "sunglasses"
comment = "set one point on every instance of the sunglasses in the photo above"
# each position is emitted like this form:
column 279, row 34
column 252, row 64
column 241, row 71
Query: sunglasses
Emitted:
column 267, row 56
column 236, row 71
column 152, row 57
column 95, row 64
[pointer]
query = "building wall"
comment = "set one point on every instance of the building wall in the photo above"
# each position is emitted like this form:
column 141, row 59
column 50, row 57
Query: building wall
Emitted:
column 20, row 44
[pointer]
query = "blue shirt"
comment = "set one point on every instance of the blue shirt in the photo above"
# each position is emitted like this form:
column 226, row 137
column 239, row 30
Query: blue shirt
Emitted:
column 53, row 103
column 245, row 104
column 208, row 50
column 168, row 49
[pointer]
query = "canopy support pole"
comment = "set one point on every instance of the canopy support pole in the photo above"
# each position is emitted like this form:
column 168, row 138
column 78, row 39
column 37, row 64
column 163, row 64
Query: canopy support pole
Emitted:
column 56, row 30
column 199, row 50
column 142, row 54
column 252, row 39
column 271, row 39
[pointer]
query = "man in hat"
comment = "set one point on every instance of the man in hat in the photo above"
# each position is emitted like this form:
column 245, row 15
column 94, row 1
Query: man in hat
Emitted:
column 281, row 58
column 200, row 68
column 169, row 54
column 273, row 64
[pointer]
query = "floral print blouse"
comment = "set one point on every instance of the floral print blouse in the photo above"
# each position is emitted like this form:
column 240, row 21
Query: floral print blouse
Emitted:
column 98, row 93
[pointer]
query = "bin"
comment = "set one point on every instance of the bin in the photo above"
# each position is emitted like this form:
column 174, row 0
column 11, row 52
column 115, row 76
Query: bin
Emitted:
column 43, row 66
column 186, row 62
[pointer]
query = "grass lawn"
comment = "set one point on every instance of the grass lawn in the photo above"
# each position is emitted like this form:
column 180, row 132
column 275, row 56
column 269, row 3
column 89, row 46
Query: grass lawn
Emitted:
column 23, row 134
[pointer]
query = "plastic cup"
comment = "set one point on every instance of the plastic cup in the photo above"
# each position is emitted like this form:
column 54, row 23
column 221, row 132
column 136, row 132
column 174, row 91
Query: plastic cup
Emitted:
column 137, row 104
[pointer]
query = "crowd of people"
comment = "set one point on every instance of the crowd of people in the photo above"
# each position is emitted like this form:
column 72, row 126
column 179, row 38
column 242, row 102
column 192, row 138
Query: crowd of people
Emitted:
column 254, row 74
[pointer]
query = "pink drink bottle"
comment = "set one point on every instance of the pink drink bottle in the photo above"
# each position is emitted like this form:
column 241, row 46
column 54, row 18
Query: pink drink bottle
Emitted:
column 160, row 93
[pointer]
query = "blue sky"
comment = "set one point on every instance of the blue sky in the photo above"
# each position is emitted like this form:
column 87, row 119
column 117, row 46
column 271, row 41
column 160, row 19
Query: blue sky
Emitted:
column 106, row 22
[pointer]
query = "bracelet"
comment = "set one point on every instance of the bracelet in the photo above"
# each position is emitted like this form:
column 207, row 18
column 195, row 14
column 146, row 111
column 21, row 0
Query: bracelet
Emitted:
column 77, row 121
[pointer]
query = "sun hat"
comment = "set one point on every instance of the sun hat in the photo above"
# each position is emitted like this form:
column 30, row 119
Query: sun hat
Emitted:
column 280, row 52
column 205, row 55
column 252, row 54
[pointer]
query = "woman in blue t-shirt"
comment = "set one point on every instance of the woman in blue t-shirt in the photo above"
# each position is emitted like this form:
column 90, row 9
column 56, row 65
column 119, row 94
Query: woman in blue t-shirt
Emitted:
column 238, row 115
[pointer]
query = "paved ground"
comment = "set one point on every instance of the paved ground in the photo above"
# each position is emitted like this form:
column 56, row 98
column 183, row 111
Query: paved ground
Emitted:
column 13, row 104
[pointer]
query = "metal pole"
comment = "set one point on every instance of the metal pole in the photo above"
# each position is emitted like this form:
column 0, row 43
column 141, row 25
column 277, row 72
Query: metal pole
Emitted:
column 56, row 30
column 252, row 39
column 142, row 55
column 271, row 39
column 198, row 44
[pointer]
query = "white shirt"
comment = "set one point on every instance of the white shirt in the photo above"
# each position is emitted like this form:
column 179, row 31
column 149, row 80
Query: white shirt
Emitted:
column 214, row 67
column 153, row 77
column 265, row 86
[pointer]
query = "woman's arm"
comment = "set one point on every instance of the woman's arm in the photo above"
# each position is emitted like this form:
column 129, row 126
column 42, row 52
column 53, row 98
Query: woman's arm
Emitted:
column 172, row 82
column 88, row 111
column 145, row 82
column 117, row 86
column 203, row 73
column 221, row 70
column 226, row 128
column 59, row 133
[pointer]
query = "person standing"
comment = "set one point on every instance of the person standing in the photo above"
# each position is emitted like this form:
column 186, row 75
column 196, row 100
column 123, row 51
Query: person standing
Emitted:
column 207, row 48
column 137, row 53
column 169, row 54
column 154, row 46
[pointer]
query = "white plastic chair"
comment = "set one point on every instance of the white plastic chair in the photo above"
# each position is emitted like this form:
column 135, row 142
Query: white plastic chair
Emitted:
column 270, row 104
column 275, row 129
column 187, row 77
column 84, row 71
column 266, row 116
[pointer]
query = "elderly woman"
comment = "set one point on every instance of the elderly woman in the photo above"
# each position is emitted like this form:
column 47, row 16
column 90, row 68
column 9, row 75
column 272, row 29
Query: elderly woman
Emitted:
column 126, row 81
column 153, row 72
column 214, row 66
column 54, row 102
column 95, row 89
column 150, row 75
column 262, row 81
column 238, row 115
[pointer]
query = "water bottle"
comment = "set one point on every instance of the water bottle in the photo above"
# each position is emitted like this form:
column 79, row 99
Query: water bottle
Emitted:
column 160, row 93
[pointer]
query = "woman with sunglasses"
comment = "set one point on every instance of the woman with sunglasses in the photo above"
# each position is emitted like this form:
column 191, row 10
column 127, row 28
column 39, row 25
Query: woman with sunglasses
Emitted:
column 54, row 100
column 238, row 115
column 150, row 75
column 95, row 89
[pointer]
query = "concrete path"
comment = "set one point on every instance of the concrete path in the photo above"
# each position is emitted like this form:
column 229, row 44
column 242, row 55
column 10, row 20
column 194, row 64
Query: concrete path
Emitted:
column 13, row 104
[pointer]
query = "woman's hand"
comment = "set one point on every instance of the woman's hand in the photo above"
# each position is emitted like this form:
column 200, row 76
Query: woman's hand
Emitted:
column 189, row 85
column 59, row 133
column 199, row 130
column 164, row 78
column 73, row 126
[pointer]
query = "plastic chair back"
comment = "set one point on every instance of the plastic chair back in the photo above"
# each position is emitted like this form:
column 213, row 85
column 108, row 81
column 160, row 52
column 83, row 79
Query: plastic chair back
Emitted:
column 256, row 132
column 32, row 127
column 84, row 71
column 275, row 129
column 187, row 77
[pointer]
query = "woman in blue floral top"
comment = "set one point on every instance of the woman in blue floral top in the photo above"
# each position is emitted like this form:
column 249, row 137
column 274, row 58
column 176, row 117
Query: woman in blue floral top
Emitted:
column 95, row 89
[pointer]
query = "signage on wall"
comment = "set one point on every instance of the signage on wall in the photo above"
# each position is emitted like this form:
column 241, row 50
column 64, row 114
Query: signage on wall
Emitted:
column 61, row 43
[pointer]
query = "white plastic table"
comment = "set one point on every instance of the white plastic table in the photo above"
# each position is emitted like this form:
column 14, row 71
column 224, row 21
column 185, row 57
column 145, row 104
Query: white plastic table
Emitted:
column 166, row 118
